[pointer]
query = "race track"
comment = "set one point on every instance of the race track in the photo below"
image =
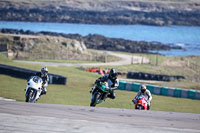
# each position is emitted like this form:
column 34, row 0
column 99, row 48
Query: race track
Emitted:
column 125, row 60
column 21, row 117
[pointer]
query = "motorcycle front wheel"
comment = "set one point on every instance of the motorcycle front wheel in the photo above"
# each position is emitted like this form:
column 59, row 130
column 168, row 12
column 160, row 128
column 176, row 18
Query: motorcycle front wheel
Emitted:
column 31, row 95
column 95, row 99
column 140, row 107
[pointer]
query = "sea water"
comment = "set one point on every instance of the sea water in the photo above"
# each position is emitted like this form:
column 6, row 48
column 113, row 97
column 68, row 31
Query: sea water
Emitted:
column 187, row 37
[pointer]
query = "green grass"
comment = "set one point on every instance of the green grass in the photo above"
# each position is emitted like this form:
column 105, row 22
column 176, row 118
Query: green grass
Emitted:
column 61, row 61
column 76, row 92
column 188, row 67
column 109, row 58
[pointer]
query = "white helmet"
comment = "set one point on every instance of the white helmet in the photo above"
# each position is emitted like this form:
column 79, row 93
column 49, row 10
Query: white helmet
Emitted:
column 44, row 71
column 143, row 88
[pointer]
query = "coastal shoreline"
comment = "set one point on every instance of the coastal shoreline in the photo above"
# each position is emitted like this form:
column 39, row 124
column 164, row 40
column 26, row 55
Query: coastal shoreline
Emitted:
column 100, row 42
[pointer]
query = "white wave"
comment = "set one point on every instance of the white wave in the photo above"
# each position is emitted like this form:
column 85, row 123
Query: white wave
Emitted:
column 180, row 44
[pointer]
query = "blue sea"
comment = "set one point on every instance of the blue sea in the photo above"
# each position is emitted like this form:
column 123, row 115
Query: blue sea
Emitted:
column 187, row 37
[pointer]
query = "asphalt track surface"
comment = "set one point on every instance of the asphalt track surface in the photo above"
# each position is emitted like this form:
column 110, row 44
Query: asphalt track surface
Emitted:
column 21, row 117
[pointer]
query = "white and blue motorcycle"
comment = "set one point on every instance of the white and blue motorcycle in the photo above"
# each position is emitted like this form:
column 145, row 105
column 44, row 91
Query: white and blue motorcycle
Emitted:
column 33, row 89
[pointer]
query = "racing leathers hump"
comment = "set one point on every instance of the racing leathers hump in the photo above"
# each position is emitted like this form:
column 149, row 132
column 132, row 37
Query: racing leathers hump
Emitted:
column 112, row 83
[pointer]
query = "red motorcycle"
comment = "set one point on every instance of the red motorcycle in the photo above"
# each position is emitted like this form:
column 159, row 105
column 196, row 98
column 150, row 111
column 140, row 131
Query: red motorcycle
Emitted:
column 140, row 102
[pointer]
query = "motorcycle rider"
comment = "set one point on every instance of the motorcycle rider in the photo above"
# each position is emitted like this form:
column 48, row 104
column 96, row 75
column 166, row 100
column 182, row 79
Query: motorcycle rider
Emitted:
column 144, row 91
column 45, row 78
column 113, row 82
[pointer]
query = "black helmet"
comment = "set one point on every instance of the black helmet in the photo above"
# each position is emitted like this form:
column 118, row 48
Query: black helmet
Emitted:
column 113, row 73
column 143, row 88
column 44, row 71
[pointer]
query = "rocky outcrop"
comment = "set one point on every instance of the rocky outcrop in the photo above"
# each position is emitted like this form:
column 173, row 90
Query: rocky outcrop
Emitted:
column 104, row 43
column 43, row 47
column 103, row 12
column 100, row 42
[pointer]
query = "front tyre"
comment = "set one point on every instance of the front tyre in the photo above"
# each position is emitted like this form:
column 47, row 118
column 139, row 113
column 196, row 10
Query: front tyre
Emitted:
column 95, row 99
column 31, row 95
column 140, row 107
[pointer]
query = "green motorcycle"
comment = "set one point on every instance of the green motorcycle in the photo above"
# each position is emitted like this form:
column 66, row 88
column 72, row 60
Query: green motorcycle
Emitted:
column 100, row 93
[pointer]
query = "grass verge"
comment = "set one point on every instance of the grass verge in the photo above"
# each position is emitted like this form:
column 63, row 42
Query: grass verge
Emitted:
column 188, row 67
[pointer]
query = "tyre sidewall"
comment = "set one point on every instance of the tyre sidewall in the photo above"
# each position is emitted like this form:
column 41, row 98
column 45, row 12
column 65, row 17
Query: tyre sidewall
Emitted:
column 32, row 100
column 95, row 98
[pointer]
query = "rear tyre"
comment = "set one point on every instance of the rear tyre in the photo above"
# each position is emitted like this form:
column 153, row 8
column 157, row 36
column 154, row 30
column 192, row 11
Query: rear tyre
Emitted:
column 148, row 107
column 95, row 99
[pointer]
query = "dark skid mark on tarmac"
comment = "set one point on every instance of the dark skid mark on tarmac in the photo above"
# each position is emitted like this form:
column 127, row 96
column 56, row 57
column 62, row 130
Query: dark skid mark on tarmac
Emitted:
column 92, row 110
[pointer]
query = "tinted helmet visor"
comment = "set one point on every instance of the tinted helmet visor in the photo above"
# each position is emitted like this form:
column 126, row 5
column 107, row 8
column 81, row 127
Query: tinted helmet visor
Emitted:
column 113, row 75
